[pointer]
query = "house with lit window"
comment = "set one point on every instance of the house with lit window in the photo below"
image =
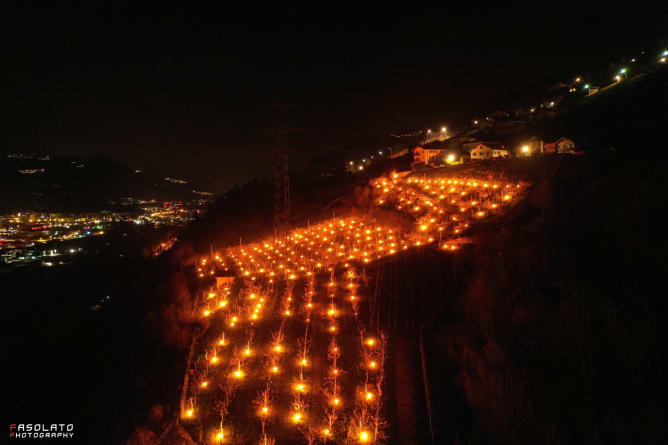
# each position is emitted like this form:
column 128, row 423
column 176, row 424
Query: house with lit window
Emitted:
column 488, row 150
column 561, row 145
column 565, row 145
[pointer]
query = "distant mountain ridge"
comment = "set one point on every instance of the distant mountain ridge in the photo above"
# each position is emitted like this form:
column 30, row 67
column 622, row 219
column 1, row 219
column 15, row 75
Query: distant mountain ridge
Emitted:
column 71, row 184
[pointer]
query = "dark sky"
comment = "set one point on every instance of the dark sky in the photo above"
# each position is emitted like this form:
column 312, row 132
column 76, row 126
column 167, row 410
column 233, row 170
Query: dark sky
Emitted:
column 178, row 90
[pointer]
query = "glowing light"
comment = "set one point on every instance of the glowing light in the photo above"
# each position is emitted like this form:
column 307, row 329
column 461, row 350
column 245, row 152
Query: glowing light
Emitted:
column 296, row 417
column 371, row 342
column 364, row 436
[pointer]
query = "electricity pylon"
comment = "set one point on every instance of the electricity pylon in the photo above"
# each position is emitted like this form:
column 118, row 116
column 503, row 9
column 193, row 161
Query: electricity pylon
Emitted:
column 281, row 114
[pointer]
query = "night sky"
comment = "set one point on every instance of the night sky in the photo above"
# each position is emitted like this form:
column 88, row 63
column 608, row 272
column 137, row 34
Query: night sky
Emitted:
column 178, row 91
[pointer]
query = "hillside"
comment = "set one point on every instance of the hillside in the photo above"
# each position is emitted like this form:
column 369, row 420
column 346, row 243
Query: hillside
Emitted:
column 74, row 184
column 545, row 324
column 629, row 116
column 546, row 316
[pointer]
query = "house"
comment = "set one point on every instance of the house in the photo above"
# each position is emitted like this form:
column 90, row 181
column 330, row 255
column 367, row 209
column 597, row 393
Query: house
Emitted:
column 536, row 145
column 423, row 155
column 486, row 150
column 561, row 145
column 564, row 145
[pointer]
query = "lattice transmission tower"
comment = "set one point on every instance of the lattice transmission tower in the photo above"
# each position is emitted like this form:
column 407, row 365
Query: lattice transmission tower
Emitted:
column 281, row 115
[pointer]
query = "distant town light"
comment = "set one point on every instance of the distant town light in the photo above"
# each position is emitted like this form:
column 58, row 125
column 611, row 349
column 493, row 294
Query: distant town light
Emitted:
column 578, row 79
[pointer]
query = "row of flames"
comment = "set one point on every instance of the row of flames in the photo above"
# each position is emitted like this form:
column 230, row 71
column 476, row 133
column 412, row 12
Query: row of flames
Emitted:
column 263, row 299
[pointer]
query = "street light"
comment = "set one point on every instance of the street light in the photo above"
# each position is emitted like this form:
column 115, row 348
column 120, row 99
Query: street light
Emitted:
column 525, row 149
